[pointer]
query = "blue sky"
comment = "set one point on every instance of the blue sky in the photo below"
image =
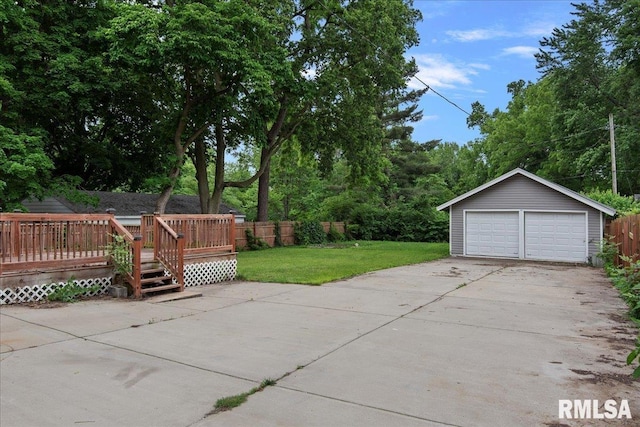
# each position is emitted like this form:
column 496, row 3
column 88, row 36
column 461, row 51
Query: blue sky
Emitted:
column 470, row 50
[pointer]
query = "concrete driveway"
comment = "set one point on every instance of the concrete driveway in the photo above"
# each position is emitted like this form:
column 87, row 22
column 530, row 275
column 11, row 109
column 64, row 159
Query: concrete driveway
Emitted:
column 463, row 342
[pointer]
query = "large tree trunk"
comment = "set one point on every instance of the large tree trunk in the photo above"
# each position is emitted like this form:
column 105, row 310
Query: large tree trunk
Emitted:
column 163, row 199
column 219, row 184
column 201, row 174
column 180, row 150
column 263, row 186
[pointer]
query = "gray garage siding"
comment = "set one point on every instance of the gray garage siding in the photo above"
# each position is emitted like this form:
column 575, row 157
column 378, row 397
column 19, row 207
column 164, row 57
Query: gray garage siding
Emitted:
column 519, row 192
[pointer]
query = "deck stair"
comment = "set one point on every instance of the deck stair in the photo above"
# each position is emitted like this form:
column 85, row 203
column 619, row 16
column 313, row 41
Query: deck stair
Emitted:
column 154, row 278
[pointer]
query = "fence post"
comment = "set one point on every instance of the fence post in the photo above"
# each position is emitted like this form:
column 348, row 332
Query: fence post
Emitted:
column 232, row 232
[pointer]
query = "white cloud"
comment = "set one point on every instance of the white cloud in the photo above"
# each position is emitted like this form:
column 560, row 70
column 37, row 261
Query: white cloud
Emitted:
column 429, row 118
column 479, row 66
column 438, row 72
column 539, row 29
column 521, row 51
column 477, row 34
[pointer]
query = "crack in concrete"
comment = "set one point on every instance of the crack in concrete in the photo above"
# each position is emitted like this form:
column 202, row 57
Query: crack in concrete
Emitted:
column 395, row 318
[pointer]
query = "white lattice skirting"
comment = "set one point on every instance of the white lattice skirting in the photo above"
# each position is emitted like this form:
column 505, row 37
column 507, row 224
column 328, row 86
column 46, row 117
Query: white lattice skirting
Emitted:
column 205, row 273
column 39, row 292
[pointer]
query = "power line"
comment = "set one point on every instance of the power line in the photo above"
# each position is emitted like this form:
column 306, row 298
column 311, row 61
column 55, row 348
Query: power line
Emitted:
column 441, row 96
column 365, row 38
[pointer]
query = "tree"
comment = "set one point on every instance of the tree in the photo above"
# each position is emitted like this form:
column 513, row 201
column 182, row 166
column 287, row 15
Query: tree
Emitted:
column 347, row 56
column 593, row 63
column 64, row 93
column 522, row 136
column 199, row 62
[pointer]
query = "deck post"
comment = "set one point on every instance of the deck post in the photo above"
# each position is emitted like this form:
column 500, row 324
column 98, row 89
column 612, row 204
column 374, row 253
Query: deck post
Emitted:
column 181, row 242
column 137, row 266
column 15, row 238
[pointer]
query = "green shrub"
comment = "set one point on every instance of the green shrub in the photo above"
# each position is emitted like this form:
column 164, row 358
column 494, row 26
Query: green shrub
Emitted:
column 254, row 243
column 309, row 233
column 608, row 252
column 624, row 205
column 278, row 234
column 334, row 235
column 120, row 254
column 70, row 291
column 627, row 281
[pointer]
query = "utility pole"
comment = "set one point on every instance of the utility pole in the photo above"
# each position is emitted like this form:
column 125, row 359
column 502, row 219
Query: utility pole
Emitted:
column 612, row 137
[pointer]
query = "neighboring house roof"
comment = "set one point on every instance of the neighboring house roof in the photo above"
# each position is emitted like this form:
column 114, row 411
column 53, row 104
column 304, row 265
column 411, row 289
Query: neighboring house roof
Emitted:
column 559, row 188
column 125, row 204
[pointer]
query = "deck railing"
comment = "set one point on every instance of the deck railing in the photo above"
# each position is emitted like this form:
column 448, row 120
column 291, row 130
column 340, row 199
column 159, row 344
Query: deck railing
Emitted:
column 52, row 240
column 132, row 256
column 34, row 241
column 147, row 226
column 169, row 249
column 203, row 234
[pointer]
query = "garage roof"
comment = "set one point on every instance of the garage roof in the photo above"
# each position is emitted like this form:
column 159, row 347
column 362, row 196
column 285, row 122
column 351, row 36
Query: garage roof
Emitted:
column 559, row 188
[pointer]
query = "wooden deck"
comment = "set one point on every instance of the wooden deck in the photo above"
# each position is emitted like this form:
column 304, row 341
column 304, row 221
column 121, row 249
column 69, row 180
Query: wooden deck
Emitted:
column 41, row 242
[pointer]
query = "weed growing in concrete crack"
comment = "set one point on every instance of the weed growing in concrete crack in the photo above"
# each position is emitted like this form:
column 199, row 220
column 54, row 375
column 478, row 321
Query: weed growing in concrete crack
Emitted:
column 230, row 402
column 461, row 285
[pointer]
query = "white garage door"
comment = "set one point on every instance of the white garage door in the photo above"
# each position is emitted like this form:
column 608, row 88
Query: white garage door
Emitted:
column 492, row 234
column 555, row 236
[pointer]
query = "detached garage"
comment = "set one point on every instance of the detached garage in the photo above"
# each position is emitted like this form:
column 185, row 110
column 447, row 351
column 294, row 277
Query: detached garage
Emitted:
column 520, row 215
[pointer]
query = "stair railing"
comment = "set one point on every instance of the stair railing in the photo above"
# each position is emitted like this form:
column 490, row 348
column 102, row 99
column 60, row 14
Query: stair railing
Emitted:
column 169, row 249
column 134, row 256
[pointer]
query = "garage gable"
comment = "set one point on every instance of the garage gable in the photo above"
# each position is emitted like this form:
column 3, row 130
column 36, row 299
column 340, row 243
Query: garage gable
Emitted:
column 553, row 222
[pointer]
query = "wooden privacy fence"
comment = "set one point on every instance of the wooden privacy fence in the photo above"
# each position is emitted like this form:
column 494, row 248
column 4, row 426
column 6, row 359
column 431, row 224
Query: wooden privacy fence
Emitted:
column 214, row 231
column 625, row 233
column 266, row 231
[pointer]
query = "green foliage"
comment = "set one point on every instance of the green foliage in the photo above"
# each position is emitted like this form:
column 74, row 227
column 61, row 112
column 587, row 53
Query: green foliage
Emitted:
column 608, row 252
column 635, row 355
column 254, row 243
column 334, row 235
column 624, row 205
column 309, row 233
column 592, row 67
column 412, row 221
column 277, row 242
column 518, row 136
column 70, row 291
column 58, row 97
column 25, row 168
column 119, row 252
column 230, row 402
column 627, row 281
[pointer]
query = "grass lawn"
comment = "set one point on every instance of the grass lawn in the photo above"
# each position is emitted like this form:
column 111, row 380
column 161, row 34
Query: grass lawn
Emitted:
column 315, row 265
